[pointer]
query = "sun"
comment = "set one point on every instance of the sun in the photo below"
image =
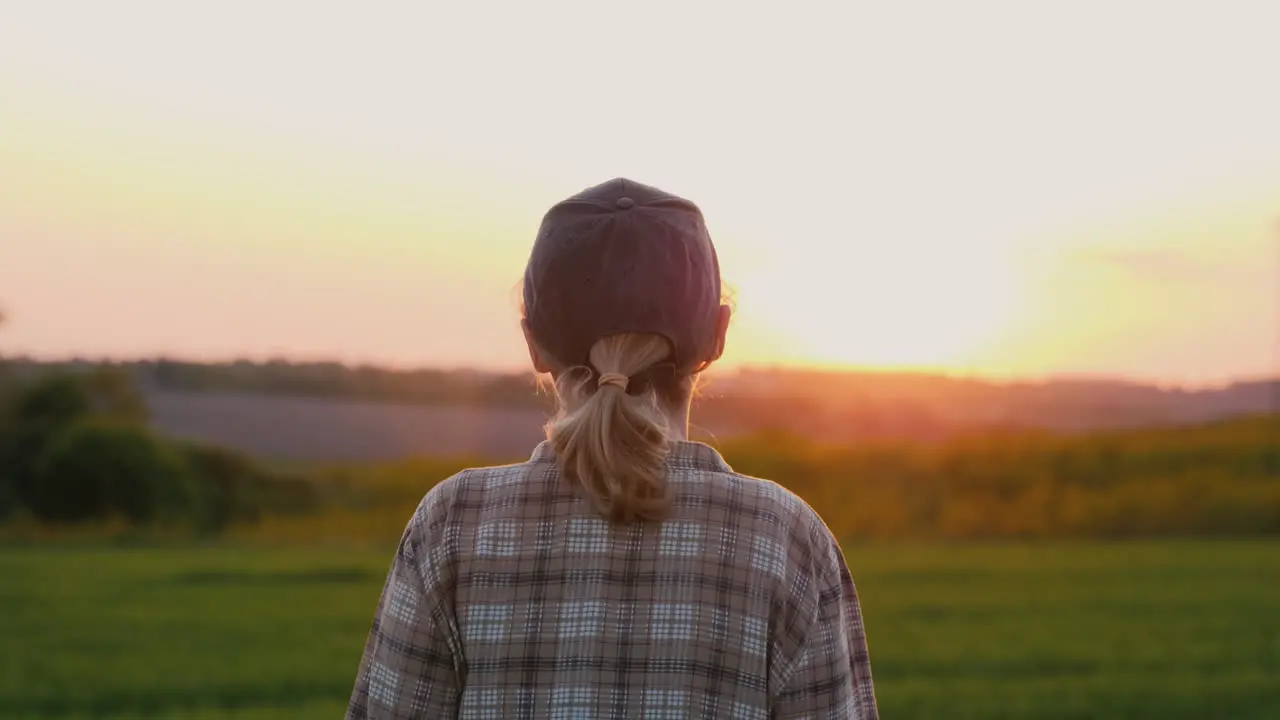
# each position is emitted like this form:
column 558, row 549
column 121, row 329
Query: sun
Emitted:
column 895, row 306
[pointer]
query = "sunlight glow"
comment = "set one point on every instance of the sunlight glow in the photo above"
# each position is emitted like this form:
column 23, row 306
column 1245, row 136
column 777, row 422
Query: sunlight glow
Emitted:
column 973, row 193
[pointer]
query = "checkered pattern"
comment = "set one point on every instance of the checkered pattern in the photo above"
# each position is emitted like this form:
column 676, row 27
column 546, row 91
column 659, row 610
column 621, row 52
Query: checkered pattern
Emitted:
column 509, row 598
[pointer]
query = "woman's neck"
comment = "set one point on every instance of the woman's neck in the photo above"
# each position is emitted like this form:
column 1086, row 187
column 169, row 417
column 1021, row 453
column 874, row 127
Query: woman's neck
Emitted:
column 678, row 423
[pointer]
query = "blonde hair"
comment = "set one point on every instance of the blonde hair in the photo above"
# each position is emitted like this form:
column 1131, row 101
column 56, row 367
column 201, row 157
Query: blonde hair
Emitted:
column 612, row 441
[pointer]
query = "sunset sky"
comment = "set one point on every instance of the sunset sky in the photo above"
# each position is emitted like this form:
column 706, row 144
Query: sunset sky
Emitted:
column 1003, row 189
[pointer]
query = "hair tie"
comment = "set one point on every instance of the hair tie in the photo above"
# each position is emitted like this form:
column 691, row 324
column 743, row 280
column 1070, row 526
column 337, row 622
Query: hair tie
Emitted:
column 616, row 379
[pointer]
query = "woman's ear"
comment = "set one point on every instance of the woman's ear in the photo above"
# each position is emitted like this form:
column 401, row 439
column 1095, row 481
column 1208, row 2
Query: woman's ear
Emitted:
column 540, row 365
column 722, row 331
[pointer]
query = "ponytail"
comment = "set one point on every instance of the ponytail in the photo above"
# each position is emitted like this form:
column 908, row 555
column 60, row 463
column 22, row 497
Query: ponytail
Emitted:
column 611, row 436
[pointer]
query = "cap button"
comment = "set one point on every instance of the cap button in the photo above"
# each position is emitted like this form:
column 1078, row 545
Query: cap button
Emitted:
column 626, row 203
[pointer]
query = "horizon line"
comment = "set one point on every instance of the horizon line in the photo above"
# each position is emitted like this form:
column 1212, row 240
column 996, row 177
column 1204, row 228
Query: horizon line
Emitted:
column 737, row 368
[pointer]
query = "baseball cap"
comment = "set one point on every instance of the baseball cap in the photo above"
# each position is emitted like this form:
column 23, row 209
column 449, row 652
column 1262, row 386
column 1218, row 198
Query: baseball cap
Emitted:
column 623, row 257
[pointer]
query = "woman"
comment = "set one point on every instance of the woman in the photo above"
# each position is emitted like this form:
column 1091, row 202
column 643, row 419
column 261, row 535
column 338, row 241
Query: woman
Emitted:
column 622, row 571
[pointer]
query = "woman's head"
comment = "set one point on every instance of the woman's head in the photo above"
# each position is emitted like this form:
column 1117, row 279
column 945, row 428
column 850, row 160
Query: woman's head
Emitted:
column 622, row 305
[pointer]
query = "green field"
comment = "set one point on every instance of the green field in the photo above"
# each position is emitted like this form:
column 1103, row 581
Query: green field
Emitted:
column 1101, row 630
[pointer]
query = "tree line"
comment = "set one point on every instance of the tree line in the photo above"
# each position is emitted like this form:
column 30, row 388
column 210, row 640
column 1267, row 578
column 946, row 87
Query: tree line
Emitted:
column 76, row 447
column 835, row 407
column 1219, row 479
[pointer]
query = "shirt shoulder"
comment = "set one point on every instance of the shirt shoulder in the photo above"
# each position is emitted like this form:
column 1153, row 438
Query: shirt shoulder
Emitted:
column 766, row 499
column 779, row 530
column 467, row 495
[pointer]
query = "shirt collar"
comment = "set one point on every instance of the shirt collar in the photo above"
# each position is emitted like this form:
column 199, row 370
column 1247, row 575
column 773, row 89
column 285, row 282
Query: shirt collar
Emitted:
column 684, row 454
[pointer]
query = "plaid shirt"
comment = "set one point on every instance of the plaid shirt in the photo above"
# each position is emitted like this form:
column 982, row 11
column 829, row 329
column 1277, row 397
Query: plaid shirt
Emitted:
column 509, row 597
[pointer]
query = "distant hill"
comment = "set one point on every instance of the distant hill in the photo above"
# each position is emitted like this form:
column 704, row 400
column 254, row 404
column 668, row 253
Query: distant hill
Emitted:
column 838, row 405
column 332, row 411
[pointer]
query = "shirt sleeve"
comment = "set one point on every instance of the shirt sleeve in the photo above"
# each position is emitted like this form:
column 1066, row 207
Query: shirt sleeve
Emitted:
column 410, row 667
column 825, row 670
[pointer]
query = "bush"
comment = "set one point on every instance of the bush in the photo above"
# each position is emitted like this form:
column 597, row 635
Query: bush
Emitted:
column 8, row 493
column 232, row 488
column 229, row 486
column 74, row 446
column 100, row 468
column 38, row 411
column 1219, row 479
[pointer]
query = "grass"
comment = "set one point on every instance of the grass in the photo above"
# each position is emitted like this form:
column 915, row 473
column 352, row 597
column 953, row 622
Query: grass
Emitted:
column 1066, row 630
column 1121, row 630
